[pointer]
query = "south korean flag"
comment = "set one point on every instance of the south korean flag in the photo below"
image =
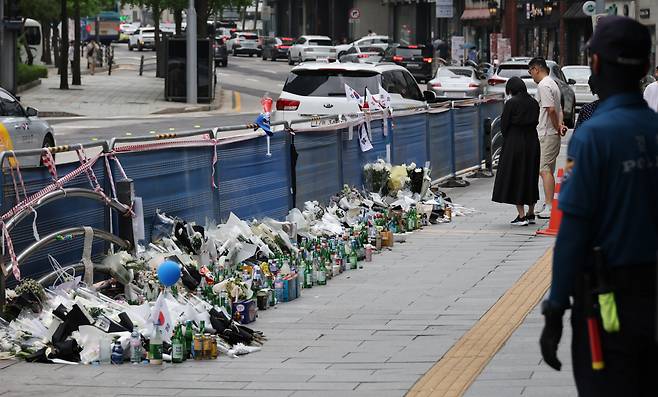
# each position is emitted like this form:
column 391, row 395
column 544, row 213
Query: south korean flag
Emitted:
column 364, row 138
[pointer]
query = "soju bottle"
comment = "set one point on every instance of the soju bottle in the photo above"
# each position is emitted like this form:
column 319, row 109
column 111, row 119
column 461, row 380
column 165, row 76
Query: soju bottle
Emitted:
column 353, row 255
column 155, row 346
column 202, row 327
column 177, row 346
column 135, row 346
column 322, row 272
column 308, row 279
column 189, row 338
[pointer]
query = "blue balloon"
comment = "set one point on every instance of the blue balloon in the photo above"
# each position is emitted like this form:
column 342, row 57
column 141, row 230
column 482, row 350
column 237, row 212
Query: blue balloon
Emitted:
column 169, row 273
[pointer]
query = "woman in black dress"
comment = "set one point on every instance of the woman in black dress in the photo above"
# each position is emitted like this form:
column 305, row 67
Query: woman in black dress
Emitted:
column 518, row 166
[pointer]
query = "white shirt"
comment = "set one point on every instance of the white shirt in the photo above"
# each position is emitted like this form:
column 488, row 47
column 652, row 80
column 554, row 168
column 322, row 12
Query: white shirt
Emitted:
column 651, row 95
column 548, row 95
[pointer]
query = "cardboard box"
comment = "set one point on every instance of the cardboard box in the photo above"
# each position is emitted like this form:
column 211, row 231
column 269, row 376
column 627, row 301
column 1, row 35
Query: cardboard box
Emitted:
column 247, row 310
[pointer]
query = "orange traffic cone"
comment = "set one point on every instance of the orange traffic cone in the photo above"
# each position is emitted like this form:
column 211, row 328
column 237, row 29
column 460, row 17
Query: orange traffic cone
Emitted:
column 556, row 214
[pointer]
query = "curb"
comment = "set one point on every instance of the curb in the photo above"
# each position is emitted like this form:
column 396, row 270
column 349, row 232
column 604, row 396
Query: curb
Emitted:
column 27, row 86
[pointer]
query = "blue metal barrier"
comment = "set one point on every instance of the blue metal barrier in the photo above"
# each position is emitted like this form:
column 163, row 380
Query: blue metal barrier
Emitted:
column 175, row 180
column 55, row 216
column 252, row 185
column 409, row 140
column 440, row 143
column 488, row 110
column 465, row 122
column 319, row 169
column 354, row 159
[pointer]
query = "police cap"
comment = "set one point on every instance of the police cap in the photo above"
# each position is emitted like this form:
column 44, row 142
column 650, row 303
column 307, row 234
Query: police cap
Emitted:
column 621, row 40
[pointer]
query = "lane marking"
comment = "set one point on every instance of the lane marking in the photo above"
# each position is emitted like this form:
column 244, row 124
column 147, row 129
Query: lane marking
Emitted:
column 250, row 79
column 238, row 102
column 197, row 126
column 452, row 375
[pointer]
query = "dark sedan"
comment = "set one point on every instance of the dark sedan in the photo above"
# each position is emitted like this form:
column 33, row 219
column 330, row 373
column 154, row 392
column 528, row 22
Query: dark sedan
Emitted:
column 415, row 58
column 220, row 53
column 276, row 47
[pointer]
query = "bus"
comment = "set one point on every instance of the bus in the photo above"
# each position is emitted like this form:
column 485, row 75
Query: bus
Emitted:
column 34, row 38
column 109, row 27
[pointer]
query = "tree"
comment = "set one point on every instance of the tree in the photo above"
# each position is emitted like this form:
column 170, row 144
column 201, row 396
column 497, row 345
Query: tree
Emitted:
column 64, row 48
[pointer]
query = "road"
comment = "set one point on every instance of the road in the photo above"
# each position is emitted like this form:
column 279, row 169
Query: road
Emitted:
column 244, row 81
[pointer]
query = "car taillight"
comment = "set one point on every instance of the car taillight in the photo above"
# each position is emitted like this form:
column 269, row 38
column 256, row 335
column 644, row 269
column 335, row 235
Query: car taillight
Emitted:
column 473, row 85
column 363, row 56
column 286, row 104
column 494, row 81
column 397, row 58
column 437, row 84
column 412, row 46
column 428, row 60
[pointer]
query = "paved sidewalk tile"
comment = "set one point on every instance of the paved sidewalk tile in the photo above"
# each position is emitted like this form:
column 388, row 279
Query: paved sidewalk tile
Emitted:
column 370, row 332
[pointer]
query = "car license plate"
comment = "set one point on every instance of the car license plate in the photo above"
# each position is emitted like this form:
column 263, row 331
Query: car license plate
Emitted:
column 318, row 123
column 413, row 66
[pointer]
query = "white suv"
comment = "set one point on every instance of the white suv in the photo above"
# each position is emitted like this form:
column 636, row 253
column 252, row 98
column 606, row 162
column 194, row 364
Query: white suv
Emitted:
column 311, row 48
column 142, row 38
column 243, row 43
column 318, row 89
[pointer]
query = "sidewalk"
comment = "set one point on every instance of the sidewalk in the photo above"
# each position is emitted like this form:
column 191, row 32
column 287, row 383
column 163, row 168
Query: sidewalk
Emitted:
column 370, row 332
column 124, row 93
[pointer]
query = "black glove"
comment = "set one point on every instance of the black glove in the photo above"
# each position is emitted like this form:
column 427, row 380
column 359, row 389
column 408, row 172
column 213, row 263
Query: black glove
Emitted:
column 551, row 334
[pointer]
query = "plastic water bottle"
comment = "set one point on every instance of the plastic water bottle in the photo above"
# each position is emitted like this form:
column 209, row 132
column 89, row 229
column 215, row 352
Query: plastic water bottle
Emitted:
column 117, row 353
column 278, row 289
column 135, row 347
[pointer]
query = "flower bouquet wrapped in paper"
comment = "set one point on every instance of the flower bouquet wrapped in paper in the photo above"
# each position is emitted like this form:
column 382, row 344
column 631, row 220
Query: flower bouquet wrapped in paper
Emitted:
column 376, row 176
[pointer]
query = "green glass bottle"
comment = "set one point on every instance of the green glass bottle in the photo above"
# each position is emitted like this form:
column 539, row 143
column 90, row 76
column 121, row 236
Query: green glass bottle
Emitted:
column 353, row 255
column 202, row 327
column 308, row 279
column 177, row 346
column 189, row 337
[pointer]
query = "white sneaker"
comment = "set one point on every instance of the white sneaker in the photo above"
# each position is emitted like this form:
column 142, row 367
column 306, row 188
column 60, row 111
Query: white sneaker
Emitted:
column 545, row 213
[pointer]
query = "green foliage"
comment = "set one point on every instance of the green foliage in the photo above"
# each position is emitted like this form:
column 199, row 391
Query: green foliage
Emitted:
column 49, row 10
column 27, row 73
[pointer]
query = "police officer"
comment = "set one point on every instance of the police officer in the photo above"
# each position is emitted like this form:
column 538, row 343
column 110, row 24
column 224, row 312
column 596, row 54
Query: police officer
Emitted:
column 610, row 200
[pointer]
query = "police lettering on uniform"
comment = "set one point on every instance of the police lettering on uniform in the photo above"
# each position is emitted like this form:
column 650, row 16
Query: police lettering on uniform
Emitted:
column 609, row 199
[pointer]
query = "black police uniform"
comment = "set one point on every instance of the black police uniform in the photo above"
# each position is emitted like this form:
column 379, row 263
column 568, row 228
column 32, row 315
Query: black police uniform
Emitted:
column 610, row 199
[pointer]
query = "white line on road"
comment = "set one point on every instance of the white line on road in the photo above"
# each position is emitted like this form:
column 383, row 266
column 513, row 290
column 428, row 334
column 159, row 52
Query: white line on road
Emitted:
column 254, row 80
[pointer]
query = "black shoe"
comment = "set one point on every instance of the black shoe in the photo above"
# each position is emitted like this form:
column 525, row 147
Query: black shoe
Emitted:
column 530, row 219
column 519, row 222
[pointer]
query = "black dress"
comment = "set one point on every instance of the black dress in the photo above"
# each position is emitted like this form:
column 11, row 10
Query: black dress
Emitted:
column 518, row 166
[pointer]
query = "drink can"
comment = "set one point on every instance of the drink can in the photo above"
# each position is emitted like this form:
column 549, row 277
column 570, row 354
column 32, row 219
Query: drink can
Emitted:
column 197, row 348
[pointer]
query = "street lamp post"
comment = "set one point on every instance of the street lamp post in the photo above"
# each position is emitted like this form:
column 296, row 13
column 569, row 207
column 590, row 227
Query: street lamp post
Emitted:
column 190, row 64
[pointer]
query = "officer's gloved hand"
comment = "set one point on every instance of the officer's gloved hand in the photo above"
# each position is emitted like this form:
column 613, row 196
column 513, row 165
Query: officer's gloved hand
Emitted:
column 551, row 334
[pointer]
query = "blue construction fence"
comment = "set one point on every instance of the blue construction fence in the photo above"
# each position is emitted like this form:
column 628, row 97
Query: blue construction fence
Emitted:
column 309, row 165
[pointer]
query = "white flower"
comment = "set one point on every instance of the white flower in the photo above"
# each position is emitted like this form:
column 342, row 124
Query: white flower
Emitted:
column 411, row 166
column 418, row 170
column 378, row 167
column 367, row 167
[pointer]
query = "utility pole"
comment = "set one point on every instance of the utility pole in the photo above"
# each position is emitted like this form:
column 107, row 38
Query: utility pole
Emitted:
column 191, row 54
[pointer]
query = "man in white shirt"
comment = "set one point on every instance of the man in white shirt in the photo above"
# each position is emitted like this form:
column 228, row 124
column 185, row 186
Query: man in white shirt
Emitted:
column 651, row 93
column 550, row 128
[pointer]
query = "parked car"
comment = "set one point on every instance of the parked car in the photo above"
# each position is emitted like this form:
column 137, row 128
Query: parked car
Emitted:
column 368, row 41
column 311, row 48
column 243, row 43
column 21, row 128
column 580, row 75
column 220, row 52
column 509, row 69
column 142, row 38
column 318, row 89
column 416, row 58
column 276, row 47
column 362, row 55
column 457, row 82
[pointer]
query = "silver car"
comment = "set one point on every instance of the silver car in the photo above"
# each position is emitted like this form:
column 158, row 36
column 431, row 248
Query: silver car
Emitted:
column 519, row 68
column 456, row 82
column 311, row 48
column 21, row 128
column 580, row 74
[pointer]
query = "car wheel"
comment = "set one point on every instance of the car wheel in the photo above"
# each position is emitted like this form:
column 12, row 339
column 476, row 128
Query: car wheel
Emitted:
column 263, row 56
column 571, row 121
column 340, row 54
column 290, row 61
column 273, row 58
column 235, row 52
column 48, row 141
column 130, row 48
column 225, row 63
column 140, row 48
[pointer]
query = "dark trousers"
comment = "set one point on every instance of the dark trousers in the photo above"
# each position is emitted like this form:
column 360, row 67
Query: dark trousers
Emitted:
column 630, row 355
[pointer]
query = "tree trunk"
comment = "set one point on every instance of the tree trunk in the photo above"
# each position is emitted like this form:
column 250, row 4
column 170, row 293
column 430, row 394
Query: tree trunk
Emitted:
column 55, row 44
column 243, row 14
column 202, row 12
column 64, row 50
column 256, row 16
column 46, row 58
column 76, row 79
column 156, row 23
column 178, row 19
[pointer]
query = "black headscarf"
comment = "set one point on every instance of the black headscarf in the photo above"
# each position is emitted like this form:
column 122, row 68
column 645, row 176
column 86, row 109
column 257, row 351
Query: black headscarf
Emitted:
column 515, row 86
